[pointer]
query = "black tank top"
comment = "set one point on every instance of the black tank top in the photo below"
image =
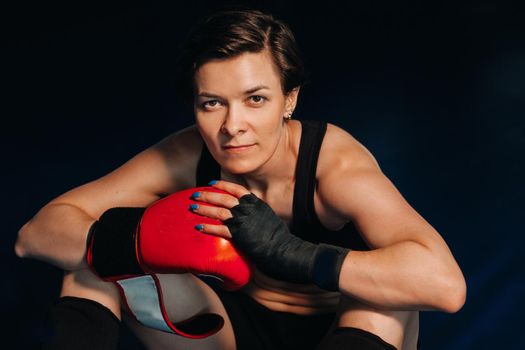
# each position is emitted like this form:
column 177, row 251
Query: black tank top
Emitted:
column 305, row 223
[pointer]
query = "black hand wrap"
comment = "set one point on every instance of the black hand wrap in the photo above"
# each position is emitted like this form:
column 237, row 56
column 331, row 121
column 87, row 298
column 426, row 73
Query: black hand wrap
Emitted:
column 111, row 243
column 265, row 238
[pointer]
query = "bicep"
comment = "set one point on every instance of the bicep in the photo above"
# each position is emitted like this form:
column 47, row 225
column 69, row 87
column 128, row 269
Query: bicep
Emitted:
column 370, row 200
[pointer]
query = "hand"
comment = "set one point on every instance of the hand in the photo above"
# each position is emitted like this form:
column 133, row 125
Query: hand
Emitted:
column 222, row 203
column 264, row 237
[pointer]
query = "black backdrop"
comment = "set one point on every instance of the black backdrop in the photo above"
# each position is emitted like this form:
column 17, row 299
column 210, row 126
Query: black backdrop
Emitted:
column 435, row 90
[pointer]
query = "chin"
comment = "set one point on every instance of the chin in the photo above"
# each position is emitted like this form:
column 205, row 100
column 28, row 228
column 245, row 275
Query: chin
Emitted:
column 239, row 170
column 238, row 167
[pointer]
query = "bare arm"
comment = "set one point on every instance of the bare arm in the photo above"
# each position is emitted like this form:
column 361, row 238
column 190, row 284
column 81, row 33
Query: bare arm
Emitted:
column 410, row 267
column 57, row 233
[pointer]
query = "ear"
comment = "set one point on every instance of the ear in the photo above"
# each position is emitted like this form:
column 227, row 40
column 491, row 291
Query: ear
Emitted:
column 291, row 100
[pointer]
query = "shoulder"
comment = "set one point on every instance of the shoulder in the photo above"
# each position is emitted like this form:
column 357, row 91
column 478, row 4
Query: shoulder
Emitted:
column 180, row 152
column 345, row 168
column 340, row 151
column 164, row 167
column 184, row 143
column 353, row 187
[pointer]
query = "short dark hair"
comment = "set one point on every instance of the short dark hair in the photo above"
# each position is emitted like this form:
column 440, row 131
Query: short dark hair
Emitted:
column 230, row 32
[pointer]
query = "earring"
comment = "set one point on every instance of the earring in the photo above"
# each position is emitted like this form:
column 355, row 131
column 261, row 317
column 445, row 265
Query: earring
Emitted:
column 288, row 117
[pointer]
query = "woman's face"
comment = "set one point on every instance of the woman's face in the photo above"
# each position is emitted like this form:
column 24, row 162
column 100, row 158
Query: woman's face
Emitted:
column 239, row 102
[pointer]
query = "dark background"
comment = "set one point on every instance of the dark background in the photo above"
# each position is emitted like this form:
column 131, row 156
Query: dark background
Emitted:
column 435, row 90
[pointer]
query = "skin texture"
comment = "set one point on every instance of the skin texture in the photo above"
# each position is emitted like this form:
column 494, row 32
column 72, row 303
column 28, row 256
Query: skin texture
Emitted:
column 236, row 118
column 409, row 268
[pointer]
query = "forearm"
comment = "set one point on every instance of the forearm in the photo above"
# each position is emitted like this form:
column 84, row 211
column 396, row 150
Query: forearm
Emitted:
column 404, row 276
column 57, row 235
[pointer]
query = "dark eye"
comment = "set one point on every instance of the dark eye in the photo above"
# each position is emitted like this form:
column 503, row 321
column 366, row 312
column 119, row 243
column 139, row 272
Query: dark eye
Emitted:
column 257, row 98
column 210, row 103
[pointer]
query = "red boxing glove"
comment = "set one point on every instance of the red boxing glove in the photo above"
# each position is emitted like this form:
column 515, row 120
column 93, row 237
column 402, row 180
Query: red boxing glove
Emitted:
column 162, row 239
column 129, row 245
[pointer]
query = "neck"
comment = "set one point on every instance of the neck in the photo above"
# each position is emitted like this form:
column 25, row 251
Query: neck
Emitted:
column 277, row 169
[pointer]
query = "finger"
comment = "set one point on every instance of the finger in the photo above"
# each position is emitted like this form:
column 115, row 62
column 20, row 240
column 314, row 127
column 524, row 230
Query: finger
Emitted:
column 216, row 230
column 211, row 211
column 225, row 200
column 233, row 188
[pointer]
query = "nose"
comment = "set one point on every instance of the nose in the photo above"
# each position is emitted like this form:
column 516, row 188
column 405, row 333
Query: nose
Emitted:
column 234, row 122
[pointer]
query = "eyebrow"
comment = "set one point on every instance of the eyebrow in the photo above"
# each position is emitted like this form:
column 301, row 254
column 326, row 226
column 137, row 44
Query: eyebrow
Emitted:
column 249, row 91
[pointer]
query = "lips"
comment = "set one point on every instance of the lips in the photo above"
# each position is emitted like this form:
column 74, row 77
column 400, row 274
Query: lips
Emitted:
column 238, row 149
column 234, row 147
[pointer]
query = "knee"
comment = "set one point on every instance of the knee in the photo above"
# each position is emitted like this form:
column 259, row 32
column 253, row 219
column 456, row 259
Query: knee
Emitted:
column 387, row 325
column 353, row 338
column 80, row 323
column 84, row 284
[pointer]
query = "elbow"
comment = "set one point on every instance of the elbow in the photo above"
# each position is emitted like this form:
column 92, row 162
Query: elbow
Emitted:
column 454, row 294
column 21, row 248
column 460, row 296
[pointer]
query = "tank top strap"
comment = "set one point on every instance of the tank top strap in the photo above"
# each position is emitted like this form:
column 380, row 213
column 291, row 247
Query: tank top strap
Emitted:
column 304, row 216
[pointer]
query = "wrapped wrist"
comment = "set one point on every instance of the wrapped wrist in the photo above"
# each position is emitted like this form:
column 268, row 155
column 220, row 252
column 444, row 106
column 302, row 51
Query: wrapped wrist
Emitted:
column 111, row 250
column 326, row 266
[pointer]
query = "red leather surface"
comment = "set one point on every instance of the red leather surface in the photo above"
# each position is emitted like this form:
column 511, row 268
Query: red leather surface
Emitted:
column 169, row 243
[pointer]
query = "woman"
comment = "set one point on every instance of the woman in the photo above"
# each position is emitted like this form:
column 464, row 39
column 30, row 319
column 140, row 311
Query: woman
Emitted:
column 242, row 74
